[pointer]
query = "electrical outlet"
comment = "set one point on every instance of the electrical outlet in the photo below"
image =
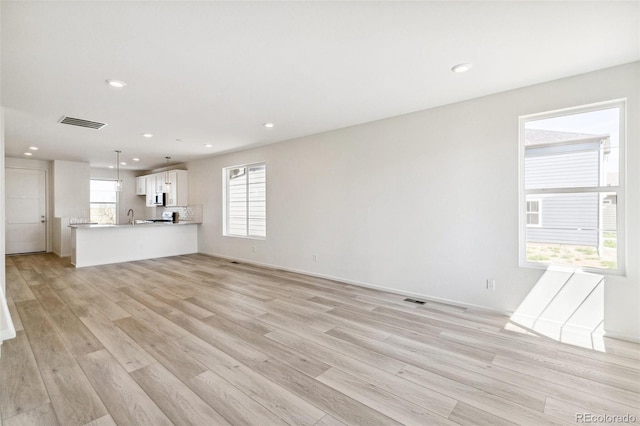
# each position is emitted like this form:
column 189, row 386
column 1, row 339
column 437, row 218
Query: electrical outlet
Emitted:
column 254, row 249
column 491, row 284
column 315, row 257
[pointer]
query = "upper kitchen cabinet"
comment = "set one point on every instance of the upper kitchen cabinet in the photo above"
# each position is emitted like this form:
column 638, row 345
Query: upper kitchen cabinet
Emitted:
column 177, row 191
column 141, row 185
column 161, row 179
column 173, row 183
column 150, row 183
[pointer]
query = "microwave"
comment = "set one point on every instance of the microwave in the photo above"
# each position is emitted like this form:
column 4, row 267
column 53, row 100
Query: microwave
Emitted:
column 159, row 199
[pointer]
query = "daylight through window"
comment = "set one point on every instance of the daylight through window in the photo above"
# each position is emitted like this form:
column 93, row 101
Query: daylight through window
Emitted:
column 103, row 199
column 572, row 187
column 246, row 198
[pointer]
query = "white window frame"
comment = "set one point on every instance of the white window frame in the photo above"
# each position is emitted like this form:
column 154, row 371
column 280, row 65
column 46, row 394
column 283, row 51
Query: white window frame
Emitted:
column 619, row 190
column 226, row 201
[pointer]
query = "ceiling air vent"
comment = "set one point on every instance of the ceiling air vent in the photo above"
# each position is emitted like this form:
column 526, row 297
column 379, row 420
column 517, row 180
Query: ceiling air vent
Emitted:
column 82, row 123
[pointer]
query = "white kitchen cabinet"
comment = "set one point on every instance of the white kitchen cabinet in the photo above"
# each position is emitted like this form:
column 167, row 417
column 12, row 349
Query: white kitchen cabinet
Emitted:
column 141, row 185
column 177, row 192
column 150, row 183
column 161, row 178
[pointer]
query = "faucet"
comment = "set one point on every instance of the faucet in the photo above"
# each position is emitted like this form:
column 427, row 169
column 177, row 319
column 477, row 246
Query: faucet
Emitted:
column 132, row 220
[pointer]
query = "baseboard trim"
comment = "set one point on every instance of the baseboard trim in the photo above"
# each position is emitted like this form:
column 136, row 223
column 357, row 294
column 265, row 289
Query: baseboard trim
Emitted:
column 620, row 336
column 60, row 255
column 366, row 285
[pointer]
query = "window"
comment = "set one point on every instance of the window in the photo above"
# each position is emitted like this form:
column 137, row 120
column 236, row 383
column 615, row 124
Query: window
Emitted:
column 103, row 199
column 572, row 163
column 533, row 213
column 245, row 201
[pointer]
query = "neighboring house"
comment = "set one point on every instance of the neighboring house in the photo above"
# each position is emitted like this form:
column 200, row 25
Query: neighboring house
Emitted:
column 568, row 160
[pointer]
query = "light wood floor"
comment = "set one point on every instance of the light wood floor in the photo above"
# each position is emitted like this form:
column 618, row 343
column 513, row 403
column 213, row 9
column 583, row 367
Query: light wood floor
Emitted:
column 200, row 340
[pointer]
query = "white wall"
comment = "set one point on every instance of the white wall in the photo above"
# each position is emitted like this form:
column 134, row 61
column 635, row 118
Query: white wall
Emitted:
column 128, row 198
column 2, row 237
column 3, row 283
column 70, row 189
column 425, row 203
column 7, row 330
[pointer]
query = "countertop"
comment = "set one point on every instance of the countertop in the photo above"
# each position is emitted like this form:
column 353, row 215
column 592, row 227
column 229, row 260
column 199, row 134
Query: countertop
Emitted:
column 137, row 225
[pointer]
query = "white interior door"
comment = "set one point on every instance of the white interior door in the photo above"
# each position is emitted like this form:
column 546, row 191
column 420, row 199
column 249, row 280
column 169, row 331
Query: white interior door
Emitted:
column 26, row 228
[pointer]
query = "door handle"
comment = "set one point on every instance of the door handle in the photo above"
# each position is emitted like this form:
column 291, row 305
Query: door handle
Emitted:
column 42, row 219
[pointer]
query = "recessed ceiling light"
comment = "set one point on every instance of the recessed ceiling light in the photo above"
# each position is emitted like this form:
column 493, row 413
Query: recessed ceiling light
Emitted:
column 178, row 140
column 461, row 68
column 122, row 163
column 147, row 135
column 33, row 148
column 28, row 154
column 207, row 145
column 111, row 167
column 269, row 125
column 118, row 84
column 135, row 159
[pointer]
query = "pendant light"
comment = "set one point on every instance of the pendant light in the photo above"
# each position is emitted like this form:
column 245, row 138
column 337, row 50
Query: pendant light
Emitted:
column 167, row 183
column 118, row 181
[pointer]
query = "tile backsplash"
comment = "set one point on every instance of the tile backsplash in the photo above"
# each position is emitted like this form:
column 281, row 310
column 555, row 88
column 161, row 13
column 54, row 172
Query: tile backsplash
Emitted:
column 192, row 213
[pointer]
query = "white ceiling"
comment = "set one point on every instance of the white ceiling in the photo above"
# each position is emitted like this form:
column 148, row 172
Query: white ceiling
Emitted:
column 214, row 72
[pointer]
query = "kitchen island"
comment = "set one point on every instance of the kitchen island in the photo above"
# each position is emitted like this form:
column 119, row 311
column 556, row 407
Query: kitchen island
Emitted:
column 103, row 244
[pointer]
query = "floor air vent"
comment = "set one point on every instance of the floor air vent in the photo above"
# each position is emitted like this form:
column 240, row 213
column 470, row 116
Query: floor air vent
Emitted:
column 419, row 302
column 81, row 123
column 234, row 262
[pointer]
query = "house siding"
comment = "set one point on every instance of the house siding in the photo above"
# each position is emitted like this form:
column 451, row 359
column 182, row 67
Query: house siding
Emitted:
column 562, row 170
column 567, row 219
